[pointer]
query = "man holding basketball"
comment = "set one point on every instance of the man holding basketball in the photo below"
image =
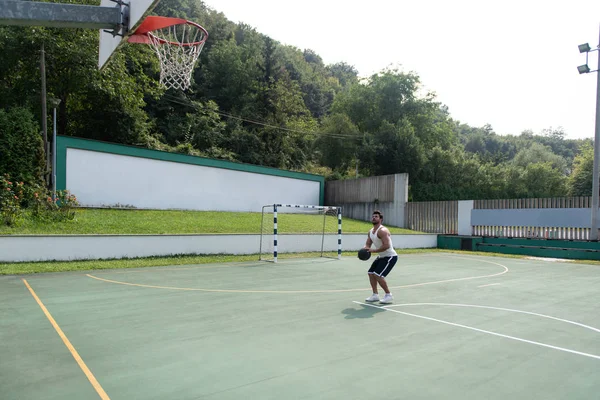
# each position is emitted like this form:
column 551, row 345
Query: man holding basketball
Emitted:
column 380, row 237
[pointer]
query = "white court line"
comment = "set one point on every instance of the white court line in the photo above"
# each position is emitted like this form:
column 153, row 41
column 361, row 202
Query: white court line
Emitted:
column 498, row 308
column 493, row 333
column 490, row 284
column 300, row 291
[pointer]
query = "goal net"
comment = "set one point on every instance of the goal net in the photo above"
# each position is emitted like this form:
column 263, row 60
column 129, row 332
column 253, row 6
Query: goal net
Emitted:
column 291, row 228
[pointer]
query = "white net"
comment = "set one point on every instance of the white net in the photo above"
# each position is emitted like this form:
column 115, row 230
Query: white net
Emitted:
column 178, row 48
column 300, row 229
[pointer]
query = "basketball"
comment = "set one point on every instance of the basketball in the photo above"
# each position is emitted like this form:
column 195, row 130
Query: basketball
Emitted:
column 364, row 254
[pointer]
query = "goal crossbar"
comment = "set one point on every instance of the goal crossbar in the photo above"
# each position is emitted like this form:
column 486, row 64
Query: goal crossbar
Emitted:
column 298, row 209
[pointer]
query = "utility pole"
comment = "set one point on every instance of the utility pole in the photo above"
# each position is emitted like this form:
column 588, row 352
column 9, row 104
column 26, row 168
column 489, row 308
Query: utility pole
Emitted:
column 44, row 119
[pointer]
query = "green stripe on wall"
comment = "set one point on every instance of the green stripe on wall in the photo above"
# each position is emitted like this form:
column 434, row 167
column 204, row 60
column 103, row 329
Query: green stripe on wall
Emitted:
column 66, row 142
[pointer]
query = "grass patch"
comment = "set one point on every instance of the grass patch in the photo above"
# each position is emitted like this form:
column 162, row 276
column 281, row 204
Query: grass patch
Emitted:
column 158, row 222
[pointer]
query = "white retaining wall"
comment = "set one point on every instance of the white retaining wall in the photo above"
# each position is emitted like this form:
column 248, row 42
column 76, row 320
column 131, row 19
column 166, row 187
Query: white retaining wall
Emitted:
column 157, row 184
column 81, row 247
column 108, row 175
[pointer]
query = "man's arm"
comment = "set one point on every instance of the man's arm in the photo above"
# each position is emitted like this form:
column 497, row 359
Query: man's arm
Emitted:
column 384, row 235
column 369, row 242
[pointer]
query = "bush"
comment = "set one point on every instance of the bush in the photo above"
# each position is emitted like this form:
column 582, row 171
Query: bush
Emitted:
column 41, row 204
column 11, row 194
column 15, row 197
column 44, row 208
column 21, row 146
column 66, row 203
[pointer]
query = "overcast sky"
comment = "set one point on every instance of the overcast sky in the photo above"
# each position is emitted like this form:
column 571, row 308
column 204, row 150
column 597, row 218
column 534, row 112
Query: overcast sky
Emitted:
column 511, row 64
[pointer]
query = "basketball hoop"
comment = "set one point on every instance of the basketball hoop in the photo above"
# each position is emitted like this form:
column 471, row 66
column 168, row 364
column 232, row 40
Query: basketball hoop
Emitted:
column 177, row 42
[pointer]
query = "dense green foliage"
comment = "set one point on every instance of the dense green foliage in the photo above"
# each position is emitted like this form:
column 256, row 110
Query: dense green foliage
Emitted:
column 255, row 100
column 21, row 146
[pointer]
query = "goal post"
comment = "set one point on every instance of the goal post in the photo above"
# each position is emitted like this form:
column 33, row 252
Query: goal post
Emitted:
column 294, row 228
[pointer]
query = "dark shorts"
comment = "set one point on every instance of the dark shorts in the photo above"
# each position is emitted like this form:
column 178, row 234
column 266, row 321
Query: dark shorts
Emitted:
column 382, row 266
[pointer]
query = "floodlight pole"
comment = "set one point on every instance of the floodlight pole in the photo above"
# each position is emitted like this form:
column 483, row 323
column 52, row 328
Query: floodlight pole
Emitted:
column 44, row 118
column 54, row 157
column 55, row 103
column 595, row 182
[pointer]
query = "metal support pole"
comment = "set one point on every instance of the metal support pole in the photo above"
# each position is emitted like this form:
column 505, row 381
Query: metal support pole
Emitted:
column 44, row 118
column 54, row 157
column 339, row 255
column 595, row 183
column 274, row 232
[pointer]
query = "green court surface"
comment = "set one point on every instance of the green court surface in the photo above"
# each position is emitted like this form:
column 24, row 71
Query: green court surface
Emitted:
column 461, row 327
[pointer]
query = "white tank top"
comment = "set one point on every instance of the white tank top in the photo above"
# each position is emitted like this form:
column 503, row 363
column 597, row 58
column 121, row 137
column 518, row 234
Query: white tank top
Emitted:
column 378, row 243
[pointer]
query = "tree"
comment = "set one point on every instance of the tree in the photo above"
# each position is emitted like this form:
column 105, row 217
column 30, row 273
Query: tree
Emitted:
column 386, row 96
column 285, row 148
column 338, row 142
column 543, row 180
column 490, row 147
column 581, row 179
column 393, row 96
column 537, row 153
column 100, row 105
column 393, row 149
column 345, row 74
column 21, row 147
column 555, row 139
column 307, row 69
column 453, row 174
column 258, row 101
column 231, row 76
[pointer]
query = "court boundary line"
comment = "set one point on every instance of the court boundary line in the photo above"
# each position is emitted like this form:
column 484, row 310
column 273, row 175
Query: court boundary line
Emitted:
column 484, row 331
column 90, row 376
column 303, row 291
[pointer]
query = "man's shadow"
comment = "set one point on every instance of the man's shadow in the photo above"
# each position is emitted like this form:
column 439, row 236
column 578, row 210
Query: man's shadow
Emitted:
column 361, row 311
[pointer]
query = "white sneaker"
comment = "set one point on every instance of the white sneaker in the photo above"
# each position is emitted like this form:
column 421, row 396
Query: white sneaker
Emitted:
column 372, row 298
column 387, row 299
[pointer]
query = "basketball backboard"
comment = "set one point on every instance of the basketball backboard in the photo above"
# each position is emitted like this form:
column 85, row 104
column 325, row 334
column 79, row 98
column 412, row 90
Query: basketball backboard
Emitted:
column 134, row 13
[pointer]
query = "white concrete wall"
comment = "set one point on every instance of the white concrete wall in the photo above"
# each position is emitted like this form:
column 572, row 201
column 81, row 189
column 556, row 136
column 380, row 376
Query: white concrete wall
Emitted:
column 104, row 179
column 81, row 247
column 464, row 217
column 400, row 199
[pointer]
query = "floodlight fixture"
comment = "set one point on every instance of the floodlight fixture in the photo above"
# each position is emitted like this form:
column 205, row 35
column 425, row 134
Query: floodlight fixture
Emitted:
column 584, row 48
column 583, row 69
column 54, row 102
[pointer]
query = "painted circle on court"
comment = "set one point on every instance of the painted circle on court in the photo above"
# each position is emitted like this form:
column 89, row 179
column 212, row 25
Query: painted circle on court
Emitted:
column 164, row 287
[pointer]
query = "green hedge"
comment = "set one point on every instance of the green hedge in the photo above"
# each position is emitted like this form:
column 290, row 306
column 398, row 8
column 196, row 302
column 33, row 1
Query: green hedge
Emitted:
column 21, row 146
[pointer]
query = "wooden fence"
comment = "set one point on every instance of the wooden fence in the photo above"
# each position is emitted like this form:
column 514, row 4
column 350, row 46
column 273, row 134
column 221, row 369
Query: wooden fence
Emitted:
column 442, row 217
column 558, row 202
column 363, row 190
column 432, row 216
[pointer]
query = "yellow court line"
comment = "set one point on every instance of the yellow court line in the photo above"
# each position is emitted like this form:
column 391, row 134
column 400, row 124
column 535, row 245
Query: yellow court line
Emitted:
column 67, row 343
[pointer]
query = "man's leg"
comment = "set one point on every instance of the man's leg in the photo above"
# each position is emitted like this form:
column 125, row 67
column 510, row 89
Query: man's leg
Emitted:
column 373, row 282
column 382, row 283
column 374, row 296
